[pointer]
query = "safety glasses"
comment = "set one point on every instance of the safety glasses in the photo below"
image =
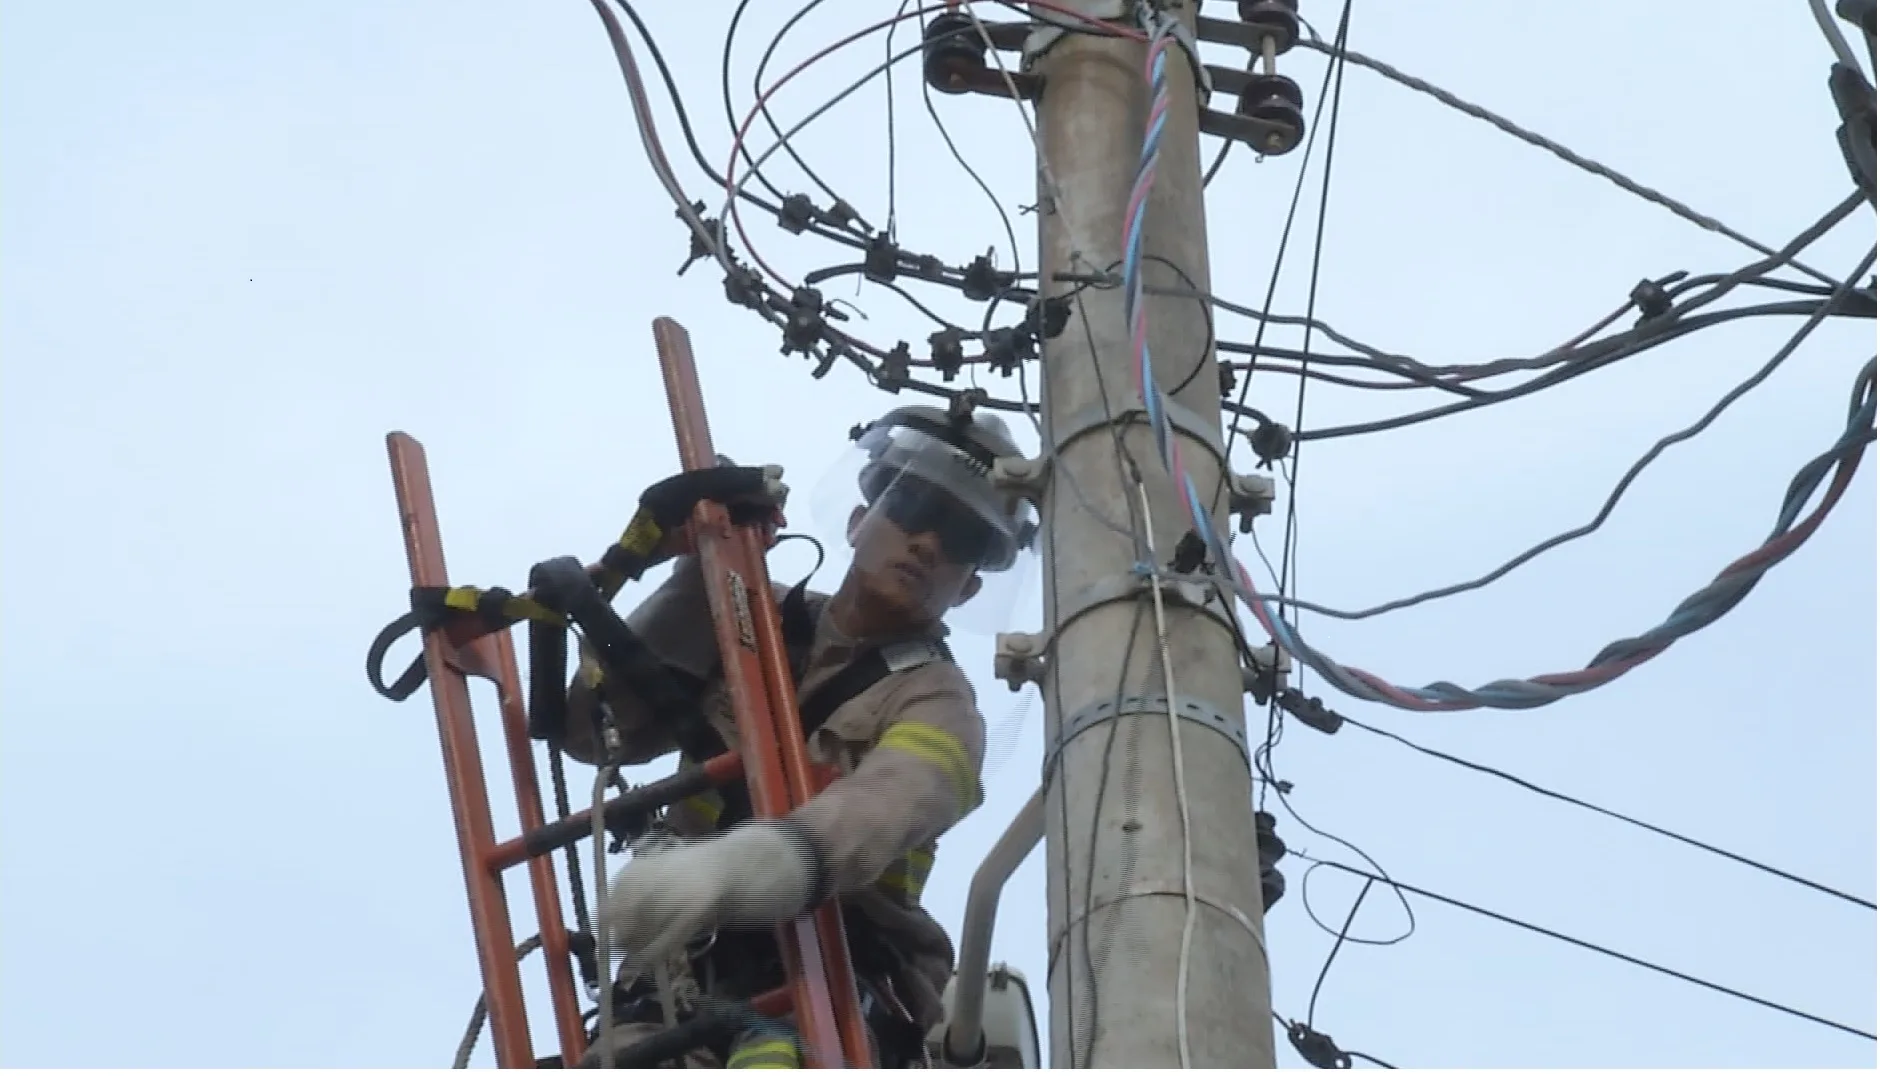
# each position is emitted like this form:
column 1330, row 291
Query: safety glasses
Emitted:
column 917, row 508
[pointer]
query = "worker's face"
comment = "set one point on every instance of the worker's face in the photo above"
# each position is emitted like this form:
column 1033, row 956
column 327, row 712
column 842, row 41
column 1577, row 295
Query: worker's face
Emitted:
column 912, row 561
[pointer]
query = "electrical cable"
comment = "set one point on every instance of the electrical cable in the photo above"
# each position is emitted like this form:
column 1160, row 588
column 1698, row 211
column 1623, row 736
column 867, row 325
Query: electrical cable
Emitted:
column 1312, row 1006
column 724, row 85
column 1649, row 336
column 1626, row 183
column 1054, row 191
column 649, row 136
column 763, row 107
column 1289, row 548
column 1837, row 41
column 946, row 136
column 1600, row 517
column 1602, row 950
column 1595, row 808
column 1697, row 611
column 691, row 140
column 1272, row 286
column 887, row 82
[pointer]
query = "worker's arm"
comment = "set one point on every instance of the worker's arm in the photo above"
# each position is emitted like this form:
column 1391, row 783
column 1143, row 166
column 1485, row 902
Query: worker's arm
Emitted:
column 674, row 622
column 918, row 781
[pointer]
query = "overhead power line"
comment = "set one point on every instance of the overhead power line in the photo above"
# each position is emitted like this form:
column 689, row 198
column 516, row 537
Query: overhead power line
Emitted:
column 1338, row 720
column 1507, row 126
column 1615, row 954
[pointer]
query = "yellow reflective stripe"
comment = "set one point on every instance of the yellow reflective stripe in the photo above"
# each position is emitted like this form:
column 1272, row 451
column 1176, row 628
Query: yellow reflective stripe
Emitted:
column 932, row 744
column 706, row 805
column 641, row 536
column 590, row 672
column 766, row 1054
column 467, row 599
column 909, row 873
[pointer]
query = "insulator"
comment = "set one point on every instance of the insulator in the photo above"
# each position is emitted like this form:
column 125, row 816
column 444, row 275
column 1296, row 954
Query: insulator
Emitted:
column 1276, row 101
column 1277, row 19
column 951, row 46
column 1271, row 441
column 1271, row 850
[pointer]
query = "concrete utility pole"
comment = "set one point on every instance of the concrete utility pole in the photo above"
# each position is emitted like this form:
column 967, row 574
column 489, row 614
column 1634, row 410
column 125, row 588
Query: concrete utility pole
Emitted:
column 1115, row 961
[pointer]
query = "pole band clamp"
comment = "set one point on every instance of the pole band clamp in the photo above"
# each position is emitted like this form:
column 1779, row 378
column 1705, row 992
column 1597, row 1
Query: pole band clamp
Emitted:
column 1187, row 707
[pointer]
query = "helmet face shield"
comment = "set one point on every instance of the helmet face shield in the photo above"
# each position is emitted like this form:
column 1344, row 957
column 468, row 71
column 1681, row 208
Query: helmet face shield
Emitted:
column 922, row 516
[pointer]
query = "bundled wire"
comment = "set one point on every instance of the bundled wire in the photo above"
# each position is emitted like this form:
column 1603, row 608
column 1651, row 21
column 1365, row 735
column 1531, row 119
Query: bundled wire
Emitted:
column 1618, row 658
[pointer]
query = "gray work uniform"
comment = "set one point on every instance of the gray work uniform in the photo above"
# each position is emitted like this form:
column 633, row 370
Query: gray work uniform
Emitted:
column 909, row 751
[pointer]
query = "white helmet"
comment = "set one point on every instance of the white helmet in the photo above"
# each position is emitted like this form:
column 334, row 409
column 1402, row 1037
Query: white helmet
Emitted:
column 935, row 472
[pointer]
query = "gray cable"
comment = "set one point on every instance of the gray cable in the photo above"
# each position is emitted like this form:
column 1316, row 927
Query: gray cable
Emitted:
column 1837, row 41
column 1702, row 608
column 1625, row 182
column 1612, row 499
column 480, row 1013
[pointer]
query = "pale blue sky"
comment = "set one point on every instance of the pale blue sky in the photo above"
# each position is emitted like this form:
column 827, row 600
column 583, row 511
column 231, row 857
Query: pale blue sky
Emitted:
column 242, row 242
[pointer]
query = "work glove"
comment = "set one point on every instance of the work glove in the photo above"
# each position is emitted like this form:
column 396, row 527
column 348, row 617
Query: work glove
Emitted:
column 659, row 530
column 756, row 875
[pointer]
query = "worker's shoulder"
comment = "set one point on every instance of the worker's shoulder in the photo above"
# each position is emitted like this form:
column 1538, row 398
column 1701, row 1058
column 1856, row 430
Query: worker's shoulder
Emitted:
column 924, row 669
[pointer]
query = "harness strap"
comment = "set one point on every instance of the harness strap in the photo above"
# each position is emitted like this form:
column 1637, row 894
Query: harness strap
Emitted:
column 799, row 617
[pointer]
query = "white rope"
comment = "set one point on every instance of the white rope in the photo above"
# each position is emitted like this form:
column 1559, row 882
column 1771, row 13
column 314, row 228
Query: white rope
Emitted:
column 603, row 943
column 1181, row 785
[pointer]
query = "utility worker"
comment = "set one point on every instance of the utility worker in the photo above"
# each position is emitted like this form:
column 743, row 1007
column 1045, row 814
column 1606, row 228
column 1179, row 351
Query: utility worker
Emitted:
column 926, row 526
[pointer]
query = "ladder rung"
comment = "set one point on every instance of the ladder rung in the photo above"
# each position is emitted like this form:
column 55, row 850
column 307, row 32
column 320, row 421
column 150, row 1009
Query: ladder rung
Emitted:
column 619, row 811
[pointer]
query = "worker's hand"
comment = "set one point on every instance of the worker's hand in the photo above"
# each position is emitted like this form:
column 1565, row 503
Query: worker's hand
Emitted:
column 757, row 875
column 661, row 530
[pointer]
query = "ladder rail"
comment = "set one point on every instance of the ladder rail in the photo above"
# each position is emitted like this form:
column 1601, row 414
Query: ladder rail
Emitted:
column 773, row 761
column 449, row 666
column 757, row 675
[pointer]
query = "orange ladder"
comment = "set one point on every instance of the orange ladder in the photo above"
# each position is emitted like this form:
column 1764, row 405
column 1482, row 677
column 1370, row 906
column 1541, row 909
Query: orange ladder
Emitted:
column 820, row 987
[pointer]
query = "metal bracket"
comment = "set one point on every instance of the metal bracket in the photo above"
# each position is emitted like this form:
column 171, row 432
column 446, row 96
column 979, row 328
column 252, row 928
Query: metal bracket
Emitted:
column 1049, row 32
column 1249, row 495
column 1269, row 674
column 1083, row 423
column 1018, row 658
column 1187, row 707
column 1026, row 477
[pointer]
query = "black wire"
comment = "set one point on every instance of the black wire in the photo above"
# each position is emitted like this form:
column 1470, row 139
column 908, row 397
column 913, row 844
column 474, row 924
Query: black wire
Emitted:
column 1630, row 344
column 1107, row 282
column 1312, row 1006
column 1220, row 158
column 1602, row 950
column 887, row 81
column 763, row 105
column 1305, row 882
column 1290, row 548
column 1606, row 509
column 926, row 96
column 1368, row 1057
column 1207, row 318
column 691, row 137
column 724, row 85
column 1629, row 820
column 1272, row 286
